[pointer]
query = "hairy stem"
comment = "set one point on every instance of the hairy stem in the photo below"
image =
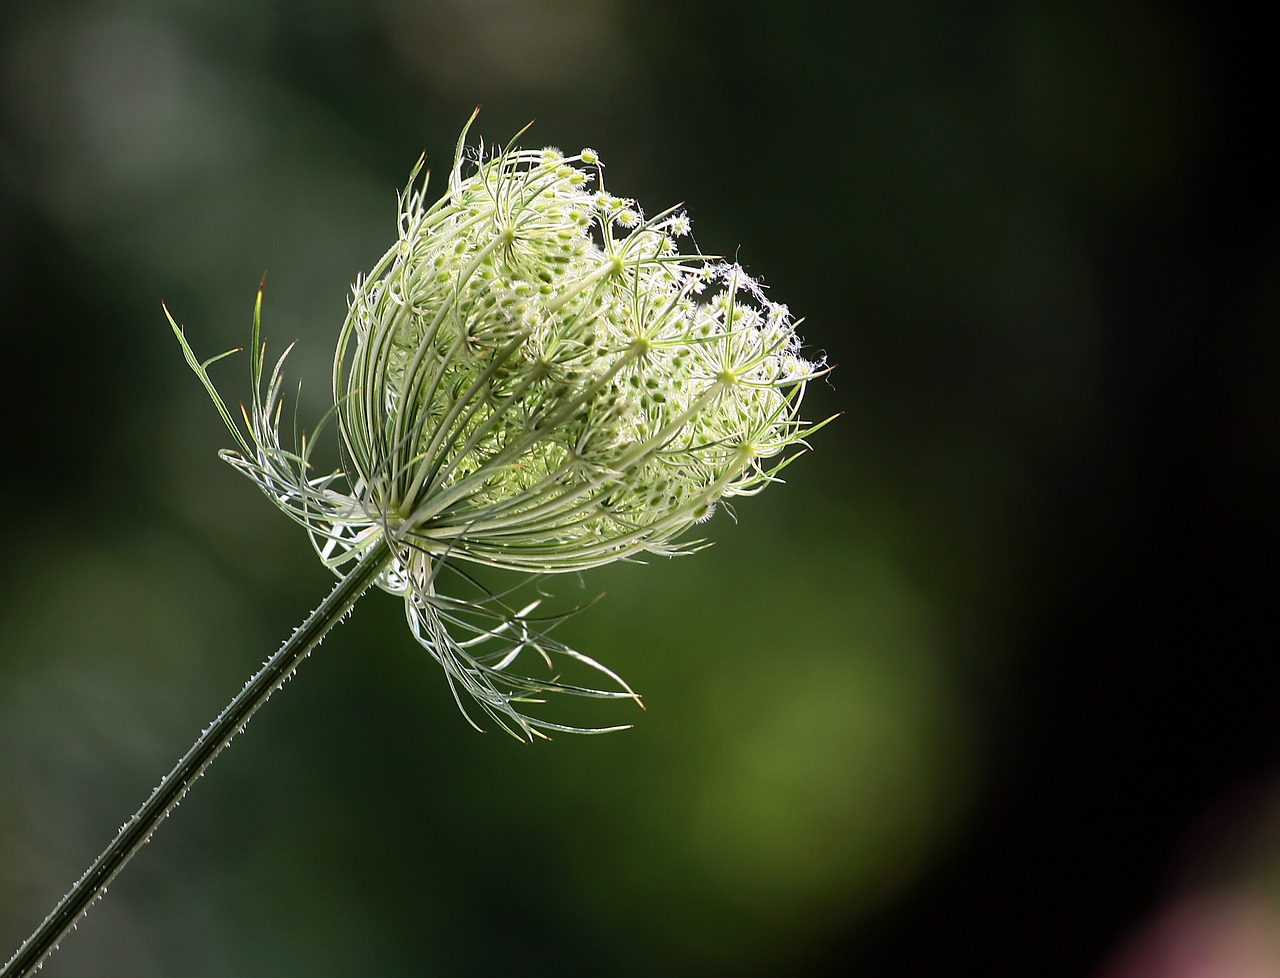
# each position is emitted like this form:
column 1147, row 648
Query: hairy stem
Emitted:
column 174, row 786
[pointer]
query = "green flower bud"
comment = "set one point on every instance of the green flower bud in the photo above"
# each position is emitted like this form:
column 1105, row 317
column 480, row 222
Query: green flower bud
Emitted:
column 534, row 377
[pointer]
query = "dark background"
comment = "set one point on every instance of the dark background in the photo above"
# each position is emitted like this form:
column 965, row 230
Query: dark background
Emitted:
column 987, row 688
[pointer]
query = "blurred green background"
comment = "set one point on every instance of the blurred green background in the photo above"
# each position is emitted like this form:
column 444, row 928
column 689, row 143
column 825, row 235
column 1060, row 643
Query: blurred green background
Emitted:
column 951, row 701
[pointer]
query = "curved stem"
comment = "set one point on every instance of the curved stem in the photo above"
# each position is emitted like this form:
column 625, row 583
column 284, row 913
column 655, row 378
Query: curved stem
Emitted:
column 173, row 788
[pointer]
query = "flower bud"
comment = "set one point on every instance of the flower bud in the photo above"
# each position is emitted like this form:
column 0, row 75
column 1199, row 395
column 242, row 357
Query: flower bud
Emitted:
column 535, row 377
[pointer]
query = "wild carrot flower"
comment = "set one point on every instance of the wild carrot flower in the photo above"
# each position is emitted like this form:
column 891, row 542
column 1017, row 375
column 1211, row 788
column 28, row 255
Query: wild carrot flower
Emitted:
column 534, row 377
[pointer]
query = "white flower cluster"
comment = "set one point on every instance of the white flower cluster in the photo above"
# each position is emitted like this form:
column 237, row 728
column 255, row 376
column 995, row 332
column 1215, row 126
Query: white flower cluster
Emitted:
column 535, row 377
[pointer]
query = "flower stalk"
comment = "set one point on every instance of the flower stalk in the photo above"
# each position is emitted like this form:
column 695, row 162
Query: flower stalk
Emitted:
column 173, row 787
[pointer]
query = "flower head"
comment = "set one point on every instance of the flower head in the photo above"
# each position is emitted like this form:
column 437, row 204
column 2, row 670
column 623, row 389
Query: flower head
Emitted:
column 533, row 377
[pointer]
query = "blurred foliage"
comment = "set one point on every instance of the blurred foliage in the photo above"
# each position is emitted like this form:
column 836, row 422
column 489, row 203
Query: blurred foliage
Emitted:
column 938, row 188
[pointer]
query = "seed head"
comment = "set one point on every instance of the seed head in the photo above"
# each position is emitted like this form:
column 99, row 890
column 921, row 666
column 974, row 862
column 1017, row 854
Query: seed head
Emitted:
column 533, row 377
